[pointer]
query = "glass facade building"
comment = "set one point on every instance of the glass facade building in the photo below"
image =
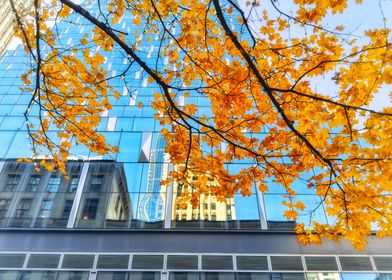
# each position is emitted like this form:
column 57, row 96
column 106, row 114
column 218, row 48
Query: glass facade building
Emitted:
column 112, row 219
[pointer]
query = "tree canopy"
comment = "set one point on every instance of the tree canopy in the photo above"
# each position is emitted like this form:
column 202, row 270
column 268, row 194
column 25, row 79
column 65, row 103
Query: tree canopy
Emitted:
column 285, row 71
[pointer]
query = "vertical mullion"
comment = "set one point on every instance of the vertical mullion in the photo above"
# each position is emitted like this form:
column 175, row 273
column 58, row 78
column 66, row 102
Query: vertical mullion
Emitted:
column 78, row 196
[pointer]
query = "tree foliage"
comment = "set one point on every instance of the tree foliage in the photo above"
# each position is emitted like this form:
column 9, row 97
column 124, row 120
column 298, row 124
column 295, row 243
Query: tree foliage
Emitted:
column 262, row 76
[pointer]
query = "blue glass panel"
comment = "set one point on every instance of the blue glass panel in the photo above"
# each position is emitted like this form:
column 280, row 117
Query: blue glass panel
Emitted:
column 274, row 208
column 314, row 210
column 246, row 207
column 20, row 146
column 359, row 276
column 144, row 124
column 385, row 276
column 133, row 173
column 129, row 147
column 12, row 123
column 6, row 138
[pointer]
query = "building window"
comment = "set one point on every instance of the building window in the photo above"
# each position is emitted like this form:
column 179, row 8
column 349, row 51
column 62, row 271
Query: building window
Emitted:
column 33, row 183
column 12, row 182
column 90, row 209
column 4, row 205
column 96, row 183
column 74, row 184
column 53, row 184
column 213, row 218
column 45, row 208
column 23, row 208
column 67, row 208
column 213, row 206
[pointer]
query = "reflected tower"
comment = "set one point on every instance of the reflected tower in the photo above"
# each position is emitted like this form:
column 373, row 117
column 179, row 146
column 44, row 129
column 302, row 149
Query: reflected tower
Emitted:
column 152, row 201
column 209, row 209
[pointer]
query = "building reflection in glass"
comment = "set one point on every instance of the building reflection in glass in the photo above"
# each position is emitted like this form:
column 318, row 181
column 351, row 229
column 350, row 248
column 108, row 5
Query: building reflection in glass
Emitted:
column 47, row 198
column 152, row 201
column 105, row 202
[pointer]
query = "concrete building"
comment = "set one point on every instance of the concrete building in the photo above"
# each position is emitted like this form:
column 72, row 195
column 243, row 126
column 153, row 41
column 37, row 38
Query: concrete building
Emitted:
column 112, row 220
column 47, row 199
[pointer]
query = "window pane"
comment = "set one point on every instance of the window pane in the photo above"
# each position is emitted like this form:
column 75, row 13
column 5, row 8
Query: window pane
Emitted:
column 73, row 275
column 323, row 275
column 33, row 183
column 73, row 184
column 112, row 276
column 10, row 275
column 53, row 184
column 39, row 275
column 359, row 276
column 12, row 182
column 23, row 208
column 184, row 276
column 90, row 209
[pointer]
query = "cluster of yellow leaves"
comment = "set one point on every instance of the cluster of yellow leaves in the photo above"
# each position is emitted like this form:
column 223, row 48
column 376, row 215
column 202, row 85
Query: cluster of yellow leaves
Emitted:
column 355, row 188
column 71, row 94
column 253, row 85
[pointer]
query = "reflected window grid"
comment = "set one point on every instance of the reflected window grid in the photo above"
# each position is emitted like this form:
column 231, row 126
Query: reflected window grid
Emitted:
column 33, row 183
column 23, row 208
column 53, row 184
column 12, row 182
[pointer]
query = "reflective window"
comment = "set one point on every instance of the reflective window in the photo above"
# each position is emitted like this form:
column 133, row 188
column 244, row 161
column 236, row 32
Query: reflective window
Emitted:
column 323, row 276
column 12, row 182
column 53, row 184
column 253, row 276
column 6, row 138
column 96, row 183
column 10, row 275
column 142, row 275
column 73, row 275
column 385, row 276
column 359, row 276
column 39, row 275
column 46, row 206
column 67, row 208
column 23, row 208
column 288, row 276
column 184, row 276
column 73, row 184
column 90, row 209
column 33, row 183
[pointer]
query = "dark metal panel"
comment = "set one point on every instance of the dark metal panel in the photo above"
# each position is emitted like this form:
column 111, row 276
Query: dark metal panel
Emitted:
column 383, row 263
column 147, row 262
column 353, row 263
column 217, row 262
column 43, row 261
column 177, row 241
column 286, row 263
column 182, row 262
column 12, row 260
column 113, row 261
column 314, row 263
column 252, row 263
column 78, row 261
